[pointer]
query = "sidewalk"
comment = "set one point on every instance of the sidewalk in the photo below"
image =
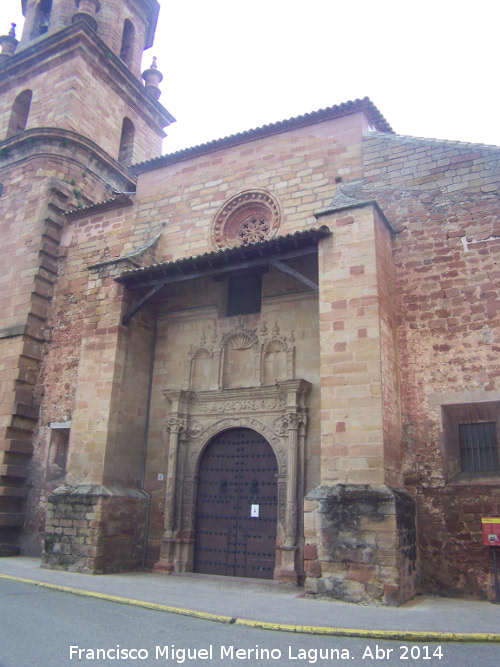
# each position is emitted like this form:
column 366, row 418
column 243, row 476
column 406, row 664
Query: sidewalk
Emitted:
column 272, row 605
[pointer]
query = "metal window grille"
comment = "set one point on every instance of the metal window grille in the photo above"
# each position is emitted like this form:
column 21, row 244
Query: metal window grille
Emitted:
column 478, row 447
column 244, row 294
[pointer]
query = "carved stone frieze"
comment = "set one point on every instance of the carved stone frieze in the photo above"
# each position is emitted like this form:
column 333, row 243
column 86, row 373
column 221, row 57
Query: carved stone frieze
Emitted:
column 282, row 502
column 187, row 518
column 289, row 421
column 238, row 406
column 197, row 445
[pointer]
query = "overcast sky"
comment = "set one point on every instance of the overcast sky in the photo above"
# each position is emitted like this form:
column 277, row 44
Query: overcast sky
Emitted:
column 430, row 67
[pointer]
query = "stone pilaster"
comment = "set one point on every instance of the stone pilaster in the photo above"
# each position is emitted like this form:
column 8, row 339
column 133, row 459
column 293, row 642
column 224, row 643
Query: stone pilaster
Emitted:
column 359, row 529
column 176, row 428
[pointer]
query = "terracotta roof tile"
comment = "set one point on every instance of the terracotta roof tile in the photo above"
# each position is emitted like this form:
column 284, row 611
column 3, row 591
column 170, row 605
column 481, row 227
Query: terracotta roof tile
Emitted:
column 365, row 105
column 221, row 259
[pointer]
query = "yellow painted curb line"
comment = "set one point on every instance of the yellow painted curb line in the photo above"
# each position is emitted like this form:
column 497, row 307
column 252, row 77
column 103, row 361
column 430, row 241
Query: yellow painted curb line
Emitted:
column 113, row 598
column 397, row 635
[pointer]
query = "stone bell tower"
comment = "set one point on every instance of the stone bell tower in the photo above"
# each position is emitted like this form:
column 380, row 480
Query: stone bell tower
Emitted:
column 75, row 113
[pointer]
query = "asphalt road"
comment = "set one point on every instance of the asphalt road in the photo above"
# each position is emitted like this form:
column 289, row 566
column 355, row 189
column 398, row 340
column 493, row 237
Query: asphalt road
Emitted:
column 44, row 627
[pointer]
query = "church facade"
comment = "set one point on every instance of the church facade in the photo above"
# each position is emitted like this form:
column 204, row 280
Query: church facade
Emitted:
column 274, row 355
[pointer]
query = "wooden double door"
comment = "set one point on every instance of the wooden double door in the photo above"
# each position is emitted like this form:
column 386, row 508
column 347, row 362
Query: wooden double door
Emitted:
column 236, row 508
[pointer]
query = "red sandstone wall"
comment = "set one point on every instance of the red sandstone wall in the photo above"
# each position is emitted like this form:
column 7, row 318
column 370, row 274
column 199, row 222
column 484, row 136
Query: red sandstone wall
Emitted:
column 389, row 354
column 443, row 199
column 87, row 307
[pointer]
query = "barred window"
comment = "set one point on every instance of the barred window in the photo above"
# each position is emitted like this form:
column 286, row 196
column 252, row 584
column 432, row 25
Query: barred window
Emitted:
column 470, row 440
column 478, row 447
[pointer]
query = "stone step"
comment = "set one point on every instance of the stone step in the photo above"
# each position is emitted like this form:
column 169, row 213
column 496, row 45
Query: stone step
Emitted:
column 11, row 470
column 19, row 447
column 11, row 519
column 13, row 491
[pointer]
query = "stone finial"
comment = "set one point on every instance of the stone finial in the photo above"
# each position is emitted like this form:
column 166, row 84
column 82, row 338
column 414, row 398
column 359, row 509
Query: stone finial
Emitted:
column 87, row 9
column 8, row 43
column 152, row 78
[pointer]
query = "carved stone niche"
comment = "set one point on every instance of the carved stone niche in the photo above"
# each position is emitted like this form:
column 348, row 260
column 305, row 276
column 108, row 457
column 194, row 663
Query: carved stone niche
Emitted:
column 276, row 410
column 240, row 357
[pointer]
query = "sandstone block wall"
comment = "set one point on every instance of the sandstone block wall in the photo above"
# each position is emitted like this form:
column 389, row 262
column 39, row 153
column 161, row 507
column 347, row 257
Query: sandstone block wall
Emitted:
column 110, row 21
column 38, row 186
column 359, row 395
column 94, row 531
column 298, row 167
column 65, row 158
column 84, row 88
column 91, row 350
column 367, row 550
column 442, row 197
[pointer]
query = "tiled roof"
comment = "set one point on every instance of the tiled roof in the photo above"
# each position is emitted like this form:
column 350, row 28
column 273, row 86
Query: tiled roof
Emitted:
column 222, row 259
column 98, row 207
column 365, row 105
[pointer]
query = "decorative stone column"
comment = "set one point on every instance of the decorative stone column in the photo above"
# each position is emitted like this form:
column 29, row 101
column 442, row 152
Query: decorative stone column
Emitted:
column 291, row 492
column 293, row 427
column 176, row 427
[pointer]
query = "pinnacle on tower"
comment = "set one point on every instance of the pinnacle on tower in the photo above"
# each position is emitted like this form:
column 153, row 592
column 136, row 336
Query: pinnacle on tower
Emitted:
column 87, row 9
column 8, row 43
column 152, row 78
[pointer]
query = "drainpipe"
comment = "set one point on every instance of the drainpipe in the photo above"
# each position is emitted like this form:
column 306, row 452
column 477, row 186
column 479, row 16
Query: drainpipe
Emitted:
column 145, row 444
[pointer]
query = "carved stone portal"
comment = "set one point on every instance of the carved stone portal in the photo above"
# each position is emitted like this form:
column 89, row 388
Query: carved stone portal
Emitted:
column 201, row 411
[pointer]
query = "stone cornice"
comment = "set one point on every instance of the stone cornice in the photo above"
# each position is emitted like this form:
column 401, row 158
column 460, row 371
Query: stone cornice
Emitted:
column 152, row 9
column 31, row 140
column 346, row 206
column 238, row 400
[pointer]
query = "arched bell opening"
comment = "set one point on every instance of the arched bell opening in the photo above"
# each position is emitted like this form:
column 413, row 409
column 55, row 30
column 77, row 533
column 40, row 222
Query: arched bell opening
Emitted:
column 41, row 21
column 127, row 45
column 19, row 114
column 126, row 150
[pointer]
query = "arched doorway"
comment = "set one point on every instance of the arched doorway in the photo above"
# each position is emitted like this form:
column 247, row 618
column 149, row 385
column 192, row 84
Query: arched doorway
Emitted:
column 236, row 506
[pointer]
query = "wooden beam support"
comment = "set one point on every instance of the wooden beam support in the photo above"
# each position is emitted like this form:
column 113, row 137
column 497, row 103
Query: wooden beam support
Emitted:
column 219, row 271
column 138, row 306
column 292, row 272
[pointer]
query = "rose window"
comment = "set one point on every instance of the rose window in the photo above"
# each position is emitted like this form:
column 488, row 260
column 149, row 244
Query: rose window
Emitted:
column 247, row 217
column 252, row 230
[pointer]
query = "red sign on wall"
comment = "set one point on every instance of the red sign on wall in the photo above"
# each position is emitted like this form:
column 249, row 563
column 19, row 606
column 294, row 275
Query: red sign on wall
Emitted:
column 491, row 531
